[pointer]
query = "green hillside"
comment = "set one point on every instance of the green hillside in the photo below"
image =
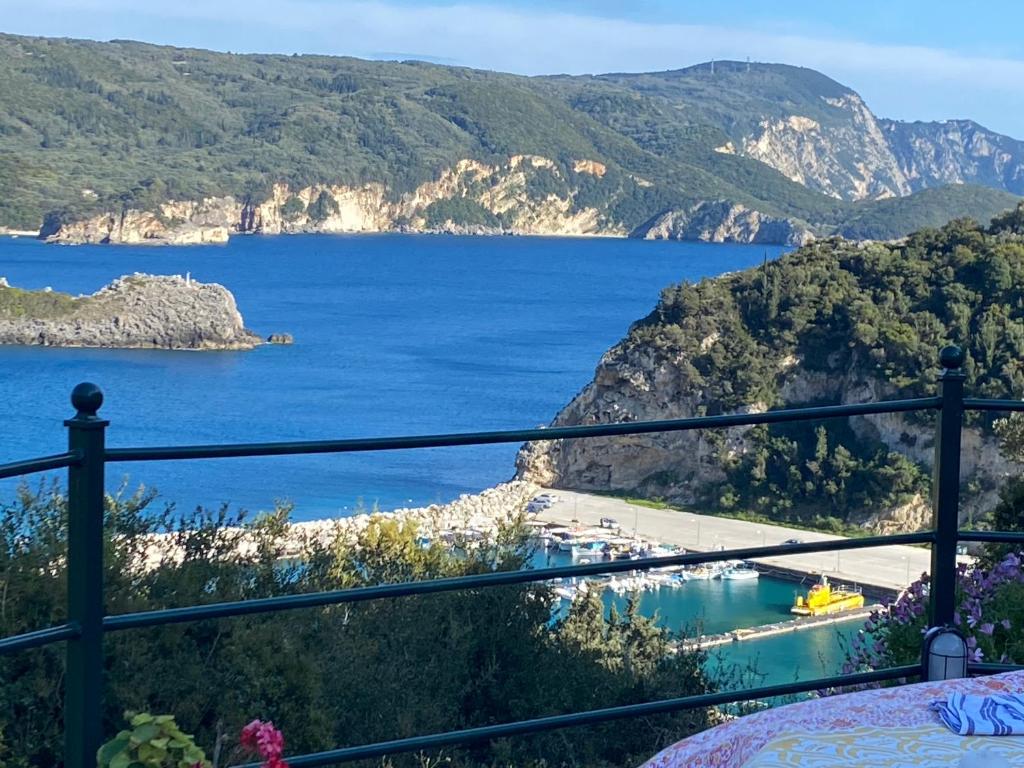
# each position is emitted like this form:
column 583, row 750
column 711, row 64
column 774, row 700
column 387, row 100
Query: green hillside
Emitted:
column 88, row 126
column 848, row 313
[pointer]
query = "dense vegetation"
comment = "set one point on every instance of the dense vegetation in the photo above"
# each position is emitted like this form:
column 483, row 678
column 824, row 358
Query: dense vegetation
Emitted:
column 846, row 314
column 329, row 677
column 85, row 126
column 17, row 303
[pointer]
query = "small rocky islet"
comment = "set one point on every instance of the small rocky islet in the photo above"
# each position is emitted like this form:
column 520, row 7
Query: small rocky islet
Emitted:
column 136, row 311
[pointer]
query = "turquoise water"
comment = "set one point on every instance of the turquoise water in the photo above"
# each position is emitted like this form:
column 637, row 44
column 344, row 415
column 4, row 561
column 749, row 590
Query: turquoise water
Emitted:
column 395, row 334
column 716, row 606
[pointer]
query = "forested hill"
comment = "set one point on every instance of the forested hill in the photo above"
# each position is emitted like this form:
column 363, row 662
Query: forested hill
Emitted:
column 743, row 152
column 832, row 322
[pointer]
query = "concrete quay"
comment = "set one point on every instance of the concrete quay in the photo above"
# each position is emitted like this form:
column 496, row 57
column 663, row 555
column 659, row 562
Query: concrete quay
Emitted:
column 880, row 570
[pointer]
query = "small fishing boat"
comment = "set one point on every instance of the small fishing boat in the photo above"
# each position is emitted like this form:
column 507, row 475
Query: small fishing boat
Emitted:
column 588, row 551
column 744, row 572
column 699, row 573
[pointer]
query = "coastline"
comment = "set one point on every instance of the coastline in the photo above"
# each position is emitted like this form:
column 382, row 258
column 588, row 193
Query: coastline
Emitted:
column 882, row 571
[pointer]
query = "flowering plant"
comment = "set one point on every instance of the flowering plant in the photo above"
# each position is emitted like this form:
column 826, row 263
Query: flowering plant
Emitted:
column 263, row 739
column 990, row 613
column 158, row 742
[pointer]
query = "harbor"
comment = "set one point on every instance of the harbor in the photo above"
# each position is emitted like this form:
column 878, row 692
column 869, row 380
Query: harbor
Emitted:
column 744, row 613
column 881, row 571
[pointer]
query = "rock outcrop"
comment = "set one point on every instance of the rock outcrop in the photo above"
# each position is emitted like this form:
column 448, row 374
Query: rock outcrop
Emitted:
column 955, row 152
column 855, row 156
column 642, row 384
column 136, row 311
column 724, row 222
column 502, row 196
column 499, row 193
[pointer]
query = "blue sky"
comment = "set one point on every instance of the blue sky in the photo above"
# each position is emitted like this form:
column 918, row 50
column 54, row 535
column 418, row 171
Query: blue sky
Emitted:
column 909, row 59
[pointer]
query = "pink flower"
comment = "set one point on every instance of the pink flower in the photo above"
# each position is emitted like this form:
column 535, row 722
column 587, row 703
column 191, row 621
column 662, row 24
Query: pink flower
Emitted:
column 266, row 740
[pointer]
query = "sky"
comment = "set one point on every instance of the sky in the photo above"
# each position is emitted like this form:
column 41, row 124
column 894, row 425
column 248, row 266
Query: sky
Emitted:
column 909, row 59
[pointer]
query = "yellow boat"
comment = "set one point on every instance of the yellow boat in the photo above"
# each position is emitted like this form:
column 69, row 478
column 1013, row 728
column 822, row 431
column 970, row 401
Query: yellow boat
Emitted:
column 824, row 599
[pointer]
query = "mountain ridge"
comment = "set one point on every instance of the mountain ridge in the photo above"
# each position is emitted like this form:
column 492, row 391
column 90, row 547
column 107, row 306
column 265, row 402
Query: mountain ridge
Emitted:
column 93, row 129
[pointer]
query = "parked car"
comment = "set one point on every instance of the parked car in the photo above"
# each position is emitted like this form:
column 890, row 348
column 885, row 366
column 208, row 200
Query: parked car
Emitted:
column 609, row 522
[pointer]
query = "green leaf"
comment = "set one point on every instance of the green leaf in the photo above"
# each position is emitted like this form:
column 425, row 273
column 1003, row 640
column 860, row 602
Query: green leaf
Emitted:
column 141, row 718
column 107, row 752
column 146, row 732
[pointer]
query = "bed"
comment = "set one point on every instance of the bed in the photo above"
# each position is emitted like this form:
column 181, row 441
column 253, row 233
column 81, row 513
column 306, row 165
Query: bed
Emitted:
column 881, row 728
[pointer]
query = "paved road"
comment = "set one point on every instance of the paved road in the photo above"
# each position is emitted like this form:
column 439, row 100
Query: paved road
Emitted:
column 892, row 567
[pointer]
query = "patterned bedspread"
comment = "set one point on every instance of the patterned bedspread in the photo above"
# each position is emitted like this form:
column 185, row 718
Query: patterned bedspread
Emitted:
column 922, row 747
column 737, row 743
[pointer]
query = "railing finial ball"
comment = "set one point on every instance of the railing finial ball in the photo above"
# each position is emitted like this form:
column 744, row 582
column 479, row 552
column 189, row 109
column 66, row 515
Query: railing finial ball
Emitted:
column 951, row 357
column 87, row 398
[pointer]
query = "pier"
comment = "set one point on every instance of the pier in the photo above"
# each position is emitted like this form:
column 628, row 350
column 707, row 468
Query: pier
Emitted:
column 881, row 571
column 777, row 628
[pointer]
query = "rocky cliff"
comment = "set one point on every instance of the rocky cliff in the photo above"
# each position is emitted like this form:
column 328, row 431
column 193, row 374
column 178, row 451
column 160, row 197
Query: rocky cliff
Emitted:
column 955, row 152
column 818, row 326
column 847, row 157
column 528, row 195
column 723, row 222
column 136, row 311
column 856, row 156
column 493, row 198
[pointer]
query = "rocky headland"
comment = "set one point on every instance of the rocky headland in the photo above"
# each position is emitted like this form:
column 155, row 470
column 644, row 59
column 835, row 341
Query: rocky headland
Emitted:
column 135, row 311
column 819, row 326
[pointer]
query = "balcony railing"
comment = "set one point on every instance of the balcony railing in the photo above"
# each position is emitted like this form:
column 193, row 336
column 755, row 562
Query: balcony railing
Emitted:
column 83, row 634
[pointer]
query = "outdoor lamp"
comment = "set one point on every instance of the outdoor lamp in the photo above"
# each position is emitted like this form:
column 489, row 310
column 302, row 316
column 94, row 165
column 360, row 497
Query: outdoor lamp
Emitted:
column 943, row 654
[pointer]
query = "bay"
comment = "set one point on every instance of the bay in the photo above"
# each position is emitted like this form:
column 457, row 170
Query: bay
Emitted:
column 394, row 334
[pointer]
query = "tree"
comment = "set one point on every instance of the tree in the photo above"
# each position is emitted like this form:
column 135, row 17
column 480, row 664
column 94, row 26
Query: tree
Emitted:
column 324, row 206
column 331, row 676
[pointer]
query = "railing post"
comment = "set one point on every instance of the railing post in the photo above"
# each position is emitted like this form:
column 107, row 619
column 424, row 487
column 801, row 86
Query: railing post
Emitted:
column 946, row 487
column 83, row 695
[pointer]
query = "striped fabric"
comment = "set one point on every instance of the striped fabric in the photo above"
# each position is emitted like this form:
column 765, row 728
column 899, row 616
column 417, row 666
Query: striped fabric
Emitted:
column 1000, row 714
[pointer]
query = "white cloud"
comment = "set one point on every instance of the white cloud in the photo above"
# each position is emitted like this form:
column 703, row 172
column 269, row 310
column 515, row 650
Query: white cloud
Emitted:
column 898, row 81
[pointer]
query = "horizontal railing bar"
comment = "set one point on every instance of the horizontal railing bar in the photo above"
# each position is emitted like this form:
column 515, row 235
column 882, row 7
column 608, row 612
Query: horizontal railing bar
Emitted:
column 1006, row 537
column 493, row 579
column 980, row 404
column 990, row 668
column 553, row 722
column 357, row 445
column 40, row 637
column 42, row 464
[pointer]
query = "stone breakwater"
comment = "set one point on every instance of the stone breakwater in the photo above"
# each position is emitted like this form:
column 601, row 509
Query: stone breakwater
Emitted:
column 136, row 311
column 471, row 516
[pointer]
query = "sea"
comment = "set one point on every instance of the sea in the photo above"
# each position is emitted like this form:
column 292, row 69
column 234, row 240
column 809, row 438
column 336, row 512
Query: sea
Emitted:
column 394, row 335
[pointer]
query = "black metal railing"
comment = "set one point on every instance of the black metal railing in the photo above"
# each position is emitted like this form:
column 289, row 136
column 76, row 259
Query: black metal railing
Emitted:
column 84, row 631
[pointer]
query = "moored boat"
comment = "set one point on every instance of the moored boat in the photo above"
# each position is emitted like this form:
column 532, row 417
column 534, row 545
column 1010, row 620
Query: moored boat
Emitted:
column 743, row 572
column 823, row 598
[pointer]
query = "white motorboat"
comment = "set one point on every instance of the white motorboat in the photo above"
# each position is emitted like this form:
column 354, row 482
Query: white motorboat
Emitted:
column 740, row 573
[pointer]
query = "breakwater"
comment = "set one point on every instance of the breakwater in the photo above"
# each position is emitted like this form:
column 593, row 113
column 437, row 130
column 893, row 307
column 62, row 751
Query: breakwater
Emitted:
column 778, row 628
